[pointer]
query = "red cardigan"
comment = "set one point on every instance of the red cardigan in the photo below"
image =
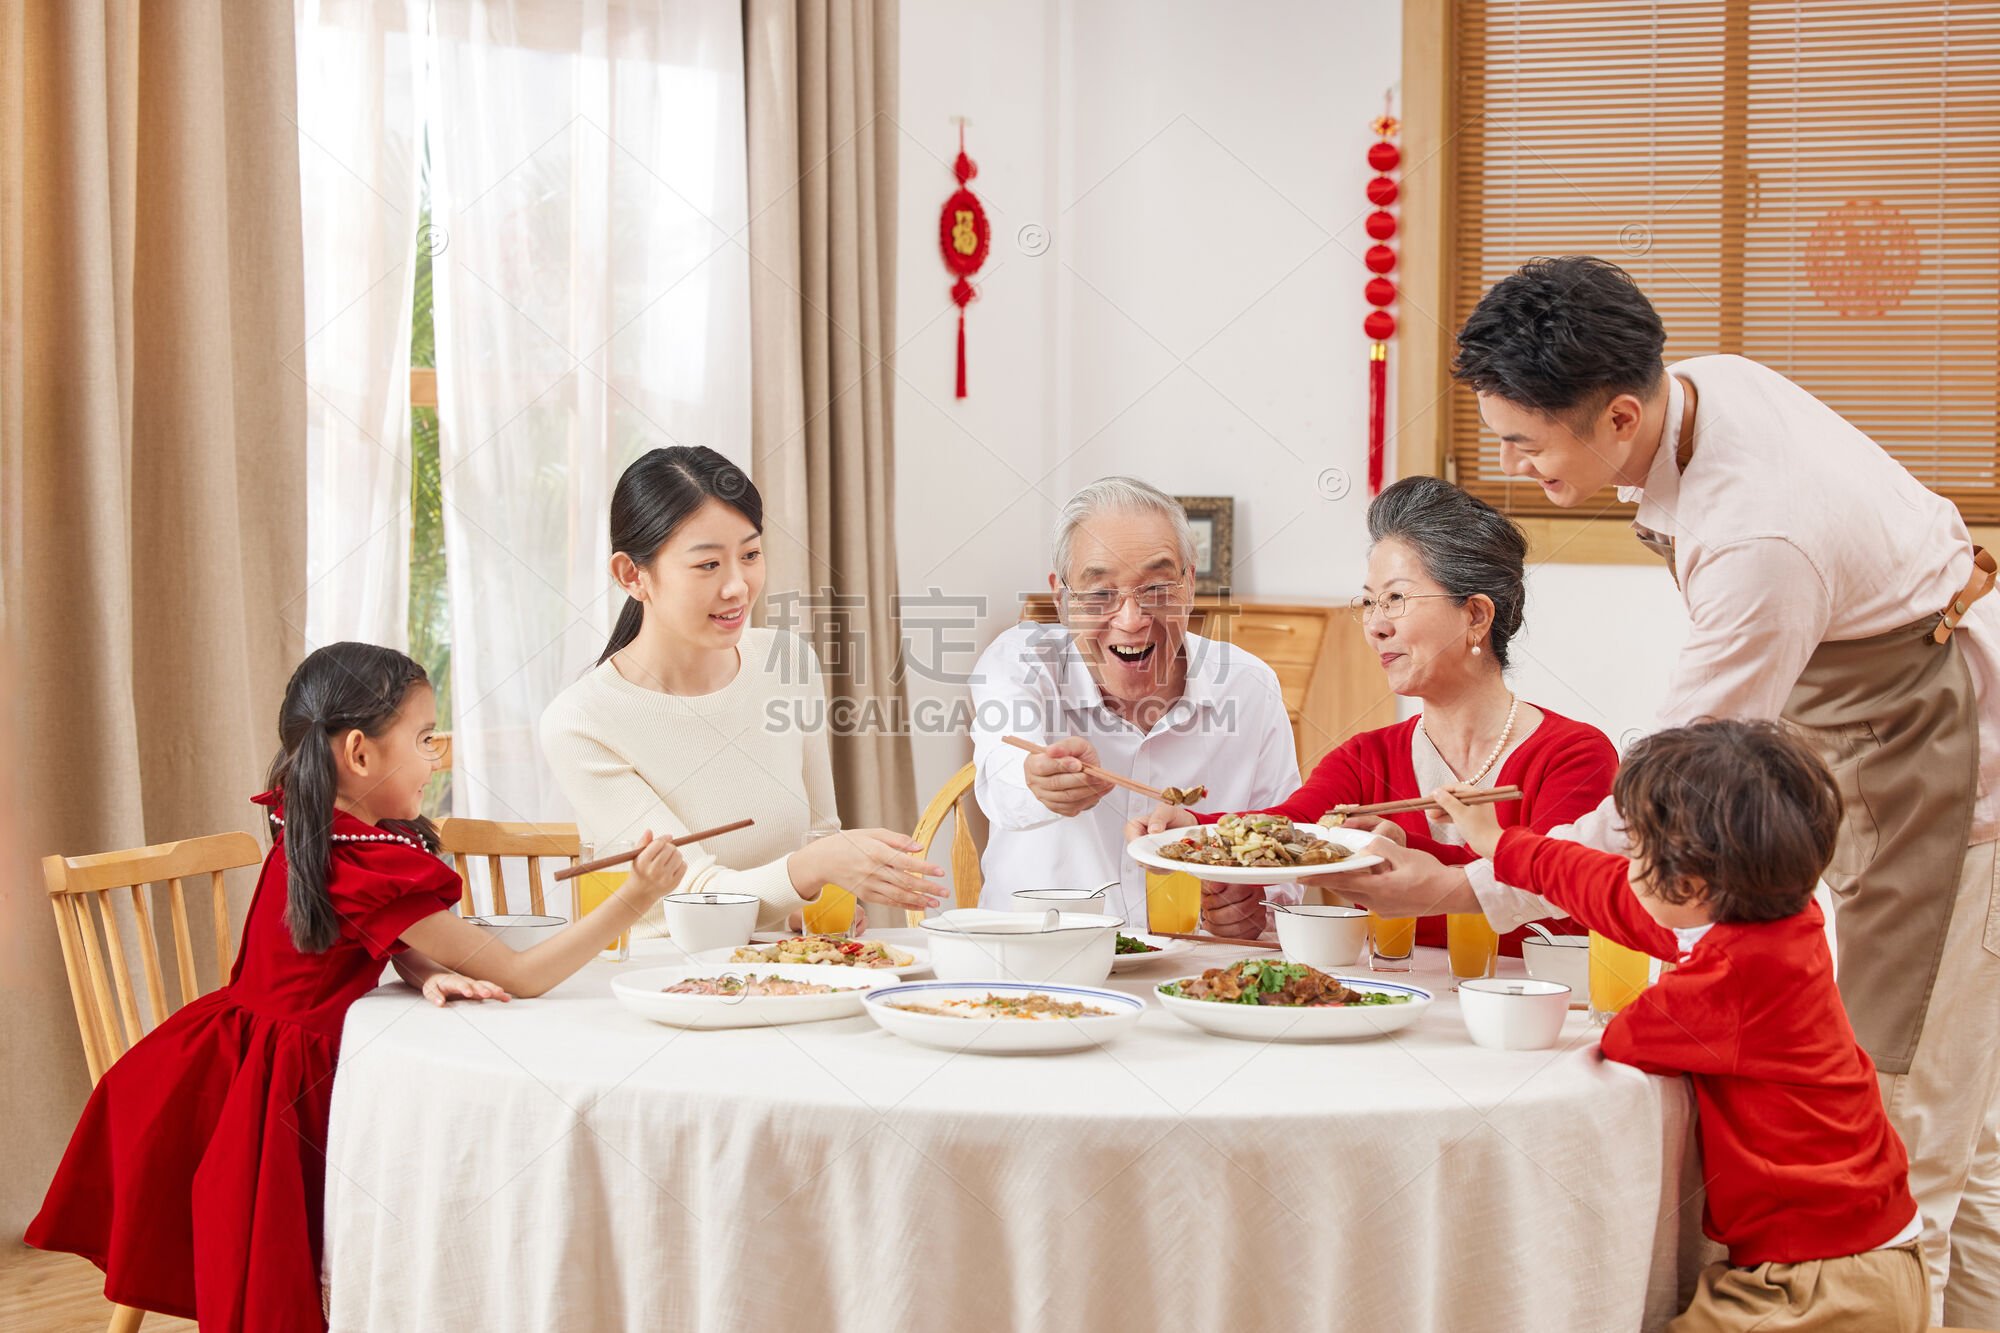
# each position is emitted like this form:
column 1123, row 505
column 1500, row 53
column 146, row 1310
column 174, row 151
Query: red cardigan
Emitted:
column 1800, row 1158
column 1564, row 770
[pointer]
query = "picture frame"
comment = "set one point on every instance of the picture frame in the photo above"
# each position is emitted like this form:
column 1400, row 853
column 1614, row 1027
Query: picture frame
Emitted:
column 1213, row 518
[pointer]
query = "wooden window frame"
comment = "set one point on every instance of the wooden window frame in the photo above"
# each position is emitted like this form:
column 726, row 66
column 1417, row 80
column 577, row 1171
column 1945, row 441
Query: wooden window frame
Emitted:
column 1431, row 120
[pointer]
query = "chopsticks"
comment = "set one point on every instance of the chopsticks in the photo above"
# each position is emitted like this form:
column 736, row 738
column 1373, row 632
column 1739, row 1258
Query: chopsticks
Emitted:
column 1425, row 803
column 1114, row 779
column 1219, row 939
column 606, row 862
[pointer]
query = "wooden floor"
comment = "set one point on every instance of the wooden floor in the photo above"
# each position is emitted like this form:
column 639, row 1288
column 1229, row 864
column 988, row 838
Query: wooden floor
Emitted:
column 60, row 1293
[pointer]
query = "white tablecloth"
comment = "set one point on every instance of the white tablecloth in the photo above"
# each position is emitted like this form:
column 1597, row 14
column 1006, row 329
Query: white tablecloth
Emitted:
column 560, row 1163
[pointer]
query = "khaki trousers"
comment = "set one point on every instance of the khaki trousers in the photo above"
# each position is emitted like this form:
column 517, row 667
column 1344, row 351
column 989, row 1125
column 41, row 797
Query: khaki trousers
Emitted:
column 1947, row 1108
column 1881, row 1291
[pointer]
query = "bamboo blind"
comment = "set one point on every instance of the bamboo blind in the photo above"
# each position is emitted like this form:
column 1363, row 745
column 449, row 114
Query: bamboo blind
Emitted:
column 1814, row 184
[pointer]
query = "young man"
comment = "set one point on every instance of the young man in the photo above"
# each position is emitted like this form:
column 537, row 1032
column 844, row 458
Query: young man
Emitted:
column 1826, row 587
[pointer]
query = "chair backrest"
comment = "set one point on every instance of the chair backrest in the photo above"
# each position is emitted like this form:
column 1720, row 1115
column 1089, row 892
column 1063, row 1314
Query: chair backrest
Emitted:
column 954, row 796
column 100, row 974
column 495, row 841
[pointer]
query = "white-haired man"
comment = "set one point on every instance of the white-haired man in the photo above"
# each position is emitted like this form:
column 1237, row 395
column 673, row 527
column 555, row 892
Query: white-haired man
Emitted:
column 1120, row 684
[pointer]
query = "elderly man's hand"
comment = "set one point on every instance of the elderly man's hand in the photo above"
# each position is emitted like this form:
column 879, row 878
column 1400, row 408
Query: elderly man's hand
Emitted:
column 1234, row 911
column 1057, row 779
column 1407, row 883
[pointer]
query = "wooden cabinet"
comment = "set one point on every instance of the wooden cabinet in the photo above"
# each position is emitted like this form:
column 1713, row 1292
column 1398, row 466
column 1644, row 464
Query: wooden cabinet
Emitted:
column 1332, row 682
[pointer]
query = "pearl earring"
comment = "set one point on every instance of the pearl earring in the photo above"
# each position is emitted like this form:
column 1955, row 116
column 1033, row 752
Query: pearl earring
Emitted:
column 1475, row 650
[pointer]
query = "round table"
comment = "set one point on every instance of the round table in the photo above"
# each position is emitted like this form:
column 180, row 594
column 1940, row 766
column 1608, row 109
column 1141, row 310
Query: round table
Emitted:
column 561, row 1163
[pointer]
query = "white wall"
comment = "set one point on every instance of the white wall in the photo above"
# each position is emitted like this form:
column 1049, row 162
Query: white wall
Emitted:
column 1195, row 320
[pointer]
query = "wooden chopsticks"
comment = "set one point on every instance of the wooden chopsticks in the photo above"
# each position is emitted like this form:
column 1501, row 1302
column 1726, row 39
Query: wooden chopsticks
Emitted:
column 606, row 862
column 1116, row 780
column 1425, row 803
column 1219, row 939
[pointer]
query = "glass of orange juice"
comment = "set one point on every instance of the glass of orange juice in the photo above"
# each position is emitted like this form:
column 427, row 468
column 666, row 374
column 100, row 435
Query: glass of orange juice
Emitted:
column 832, row 913
column 1173, row 902
column 1391, row 941
column 1617, row 975
column 595, row 888
column 1473, row 945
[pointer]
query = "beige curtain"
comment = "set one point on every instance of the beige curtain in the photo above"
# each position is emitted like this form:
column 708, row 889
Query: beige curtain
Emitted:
column 152, row 515
column 820, row 89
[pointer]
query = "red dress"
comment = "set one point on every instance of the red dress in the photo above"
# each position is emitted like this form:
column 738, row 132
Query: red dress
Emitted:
column 1564, row 770
column 195, row 1176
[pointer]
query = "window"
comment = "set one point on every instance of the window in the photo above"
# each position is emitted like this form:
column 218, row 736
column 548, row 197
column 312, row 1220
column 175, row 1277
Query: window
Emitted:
column 430, row 619
column 1814, row 184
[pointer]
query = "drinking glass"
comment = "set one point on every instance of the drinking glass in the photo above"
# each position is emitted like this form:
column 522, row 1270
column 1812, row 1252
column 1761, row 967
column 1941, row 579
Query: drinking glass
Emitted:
column 594, row 889
column 1617, row 975
column 1173, row 902
column 1391, row 940
column 832, row 913
column 1473, row 945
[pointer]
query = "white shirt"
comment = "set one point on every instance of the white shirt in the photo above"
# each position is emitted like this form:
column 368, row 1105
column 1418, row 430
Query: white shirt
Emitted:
column 1228, row 731
column 1791, row 529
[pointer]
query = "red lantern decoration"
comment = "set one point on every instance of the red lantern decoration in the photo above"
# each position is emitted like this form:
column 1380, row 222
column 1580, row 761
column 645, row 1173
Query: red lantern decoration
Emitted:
column 1379, row 324
column 964, row 237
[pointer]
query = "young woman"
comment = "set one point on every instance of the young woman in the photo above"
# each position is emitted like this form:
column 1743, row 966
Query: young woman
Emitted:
column 692, row 718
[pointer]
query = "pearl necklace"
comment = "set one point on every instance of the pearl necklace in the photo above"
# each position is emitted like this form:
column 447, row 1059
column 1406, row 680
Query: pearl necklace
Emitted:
column 279, row 820
column 1499, row 746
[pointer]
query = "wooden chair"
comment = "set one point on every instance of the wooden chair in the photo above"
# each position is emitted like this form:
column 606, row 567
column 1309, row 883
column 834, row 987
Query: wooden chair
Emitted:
column 955, row 795
column 100, row 975
column 464, row 839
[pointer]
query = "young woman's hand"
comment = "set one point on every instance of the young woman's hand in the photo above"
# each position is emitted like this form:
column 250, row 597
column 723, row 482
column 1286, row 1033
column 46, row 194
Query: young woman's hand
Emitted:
column 1479, row 824
column 442, row 986
column 1158, row 820
column 874, row 864
column 1381, row 826
column 657, row 872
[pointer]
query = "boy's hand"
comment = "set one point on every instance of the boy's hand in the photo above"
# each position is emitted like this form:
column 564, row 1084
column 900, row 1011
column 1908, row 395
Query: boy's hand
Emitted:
column 443, row 986
column 1479, row 825
column 658, row 871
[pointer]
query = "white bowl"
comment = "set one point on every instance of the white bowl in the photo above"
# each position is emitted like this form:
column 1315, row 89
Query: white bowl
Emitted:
column 1262, row 1022
column 1513, row 1013
column 520, row 932
column 702, row 921
column 975, row 944
column 641, row 992
column 1001, row 1036
column 1063, row 900
column 1324, row 937
column 1565, row 964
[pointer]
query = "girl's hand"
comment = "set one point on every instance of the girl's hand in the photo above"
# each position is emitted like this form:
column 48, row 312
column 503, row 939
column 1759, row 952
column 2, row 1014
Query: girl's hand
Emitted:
column 443, row 986
column 1381, row 826
column 873, row 864
column 657, row 872
column 1158, row 820
column 1478, row 823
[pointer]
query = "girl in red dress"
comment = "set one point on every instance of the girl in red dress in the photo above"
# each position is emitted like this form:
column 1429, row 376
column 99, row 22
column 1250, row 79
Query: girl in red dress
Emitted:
column 195, row 1176
column 1443, row 601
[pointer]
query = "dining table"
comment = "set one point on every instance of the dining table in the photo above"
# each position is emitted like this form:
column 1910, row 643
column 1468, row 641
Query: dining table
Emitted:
column 561, row 1162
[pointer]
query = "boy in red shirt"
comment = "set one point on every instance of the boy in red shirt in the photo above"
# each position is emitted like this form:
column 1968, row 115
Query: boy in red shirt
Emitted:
column 1731, row 824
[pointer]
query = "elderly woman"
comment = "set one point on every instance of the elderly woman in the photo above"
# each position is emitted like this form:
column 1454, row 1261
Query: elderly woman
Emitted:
column 1442, row 602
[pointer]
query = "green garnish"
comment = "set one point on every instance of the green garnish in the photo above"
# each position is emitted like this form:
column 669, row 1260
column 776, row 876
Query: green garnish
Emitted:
column 1126, row 944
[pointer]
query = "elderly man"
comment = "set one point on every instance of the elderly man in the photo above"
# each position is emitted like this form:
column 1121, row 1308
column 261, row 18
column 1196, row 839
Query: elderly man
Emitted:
column 1120, row 684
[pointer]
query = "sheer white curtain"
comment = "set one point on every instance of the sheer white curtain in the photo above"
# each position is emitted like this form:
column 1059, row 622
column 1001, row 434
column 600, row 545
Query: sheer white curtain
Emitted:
column 360, row 70
column 592, row 299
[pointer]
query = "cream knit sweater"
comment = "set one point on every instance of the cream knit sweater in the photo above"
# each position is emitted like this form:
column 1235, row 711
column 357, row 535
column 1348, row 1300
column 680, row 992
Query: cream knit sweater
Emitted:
column 631, row 758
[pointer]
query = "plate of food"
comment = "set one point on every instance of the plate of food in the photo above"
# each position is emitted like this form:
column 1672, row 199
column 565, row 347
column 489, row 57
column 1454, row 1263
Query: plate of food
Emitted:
column 1003, row 1018
column 1254, row 849
column 710, row 995
column 1270, row 999
column 1140, row 949
column 895, row 960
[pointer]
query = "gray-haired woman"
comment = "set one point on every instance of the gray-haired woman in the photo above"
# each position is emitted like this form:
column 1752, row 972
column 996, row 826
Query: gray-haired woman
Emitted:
column 1441, row 606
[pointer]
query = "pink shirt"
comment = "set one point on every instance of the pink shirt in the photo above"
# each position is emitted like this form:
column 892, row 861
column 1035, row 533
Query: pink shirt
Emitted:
column 1792, row 528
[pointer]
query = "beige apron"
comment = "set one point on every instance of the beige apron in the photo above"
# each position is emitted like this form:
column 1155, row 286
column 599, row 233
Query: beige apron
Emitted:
column 1893, row 716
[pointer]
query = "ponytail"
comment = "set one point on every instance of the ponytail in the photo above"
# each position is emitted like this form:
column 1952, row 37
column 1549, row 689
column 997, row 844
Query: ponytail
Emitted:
column 630, row 617
column 340, row 688
column 662, row 489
